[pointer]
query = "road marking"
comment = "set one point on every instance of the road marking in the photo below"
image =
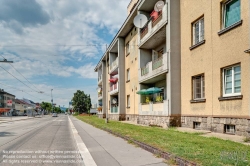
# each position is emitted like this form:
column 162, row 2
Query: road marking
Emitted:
column 86, row 156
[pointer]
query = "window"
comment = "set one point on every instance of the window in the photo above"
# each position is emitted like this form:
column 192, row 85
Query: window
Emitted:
column 231, row 12
column 232, row 81
column 198, row 31
column 128, row 75
column 230, row 129
column 127, row 48
column 197, row 125
column 128, row 100
column 199, row 87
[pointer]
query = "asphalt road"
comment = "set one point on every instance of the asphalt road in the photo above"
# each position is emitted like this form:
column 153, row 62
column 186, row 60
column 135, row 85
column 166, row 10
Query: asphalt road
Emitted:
column 39, row 141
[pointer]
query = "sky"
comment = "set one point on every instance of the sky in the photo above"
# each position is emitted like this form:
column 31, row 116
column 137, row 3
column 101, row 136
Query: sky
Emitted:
column 55, row 44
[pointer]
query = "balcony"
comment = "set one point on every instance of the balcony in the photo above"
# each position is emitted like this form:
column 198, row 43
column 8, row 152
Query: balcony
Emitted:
column 154, row 68
column 114, row 65
column 100, row 80
column 114, row 110
column 153, row 26
column 113, row 89
column 154, row 108
column 99, row 96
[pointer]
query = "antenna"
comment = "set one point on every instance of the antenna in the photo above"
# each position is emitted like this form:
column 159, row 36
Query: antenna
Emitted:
column 159, row 6
column 140, row 20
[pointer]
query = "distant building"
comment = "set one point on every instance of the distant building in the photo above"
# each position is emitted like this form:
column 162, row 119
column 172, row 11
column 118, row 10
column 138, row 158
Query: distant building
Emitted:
column 7, row 103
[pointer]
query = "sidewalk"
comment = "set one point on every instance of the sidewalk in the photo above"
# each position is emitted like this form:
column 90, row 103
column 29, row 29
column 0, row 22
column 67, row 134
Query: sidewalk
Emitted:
column 109, row 150
column 206, row 133
column 14, row 118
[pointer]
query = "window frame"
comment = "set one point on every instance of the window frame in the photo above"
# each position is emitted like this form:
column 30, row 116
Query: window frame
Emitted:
column 127, row 48
column 128, row 101
column 198, row 21
column 223, row 81
column 128, row 74
column 202, row 87
column 224, row 8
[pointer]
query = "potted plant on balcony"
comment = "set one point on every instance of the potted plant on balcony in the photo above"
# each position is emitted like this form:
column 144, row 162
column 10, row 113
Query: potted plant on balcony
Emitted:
column 159, row 99
column 99, row 109
column 148, row 100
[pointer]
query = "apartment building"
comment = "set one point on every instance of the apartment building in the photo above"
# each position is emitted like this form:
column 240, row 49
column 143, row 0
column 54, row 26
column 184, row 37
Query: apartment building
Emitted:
column 159, row 65
column 215, row 65
column 7, row 103
column 140, row 59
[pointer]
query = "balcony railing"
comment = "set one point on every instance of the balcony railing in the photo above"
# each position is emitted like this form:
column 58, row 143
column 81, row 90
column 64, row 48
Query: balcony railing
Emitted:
column 114, row 64
column 114, row 109
column 153, row 24
column 144, row 70
column 100, row 78
column 157, row 63
column 158, row 19
column 144, row 31
column 114, row 87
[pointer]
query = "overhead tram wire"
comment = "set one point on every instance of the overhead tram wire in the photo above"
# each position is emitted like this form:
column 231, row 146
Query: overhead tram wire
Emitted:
column 23, row 76
column 18, row 79
column 19, row 90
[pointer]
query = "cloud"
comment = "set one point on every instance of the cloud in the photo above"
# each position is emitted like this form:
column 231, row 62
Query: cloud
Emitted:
column 25, row 12
column 62, row 38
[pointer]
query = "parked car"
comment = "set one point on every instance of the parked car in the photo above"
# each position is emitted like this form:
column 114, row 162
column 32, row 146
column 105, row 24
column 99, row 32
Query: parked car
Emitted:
column 54, row 115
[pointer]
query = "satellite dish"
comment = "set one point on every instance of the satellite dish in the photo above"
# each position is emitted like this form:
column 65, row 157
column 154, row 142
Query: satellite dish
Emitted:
column 140, row 20
column 114, row 101
column 159, row 6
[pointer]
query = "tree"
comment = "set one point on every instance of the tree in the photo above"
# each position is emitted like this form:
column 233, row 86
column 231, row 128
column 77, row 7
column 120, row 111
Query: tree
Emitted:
column 46, row 106
column 81, row 102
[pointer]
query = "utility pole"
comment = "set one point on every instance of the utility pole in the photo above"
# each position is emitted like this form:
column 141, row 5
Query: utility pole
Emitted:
column 52, row 101
column 107, row 119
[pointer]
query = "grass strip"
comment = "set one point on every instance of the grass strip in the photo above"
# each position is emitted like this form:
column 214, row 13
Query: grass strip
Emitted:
column 189, row 146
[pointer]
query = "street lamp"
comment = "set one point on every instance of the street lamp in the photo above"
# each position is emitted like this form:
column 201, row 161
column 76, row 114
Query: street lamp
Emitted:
column 52, row 101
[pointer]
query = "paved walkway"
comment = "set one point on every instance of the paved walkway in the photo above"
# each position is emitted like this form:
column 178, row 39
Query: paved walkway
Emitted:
column 109, row 150
column 206, row 133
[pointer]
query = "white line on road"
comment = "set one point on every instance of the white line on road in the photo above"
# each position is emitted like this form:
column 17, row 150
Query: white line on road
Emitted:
column 87, row 158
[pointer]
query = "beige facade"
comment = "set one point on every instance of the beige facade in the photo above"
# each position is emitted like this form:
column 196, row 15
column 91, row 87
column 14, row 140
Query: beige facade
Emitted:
column 131, row 5
column 131, row 75
column 141, row 59
column 206, row 63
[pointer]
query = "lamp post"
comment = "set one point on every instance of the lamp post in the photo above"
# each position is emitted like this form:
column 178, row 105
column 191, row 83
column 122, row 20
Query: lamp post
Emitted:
column 52, row 101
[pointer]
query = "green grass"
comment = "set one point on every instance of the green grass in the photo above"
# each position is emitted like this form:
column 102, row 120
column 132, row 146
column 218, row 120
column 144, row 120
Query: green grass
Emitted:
column 190, row 146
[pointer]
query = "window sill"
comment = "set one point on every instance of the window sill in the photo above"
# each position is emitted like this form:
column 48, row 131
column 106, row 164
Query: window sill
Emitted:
column 238, row 97
column 198, row 101
column 230, row 27
column 127, row 81
column 127, row 107
column 247, row 51
column 127, row 54
column 197, row 44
